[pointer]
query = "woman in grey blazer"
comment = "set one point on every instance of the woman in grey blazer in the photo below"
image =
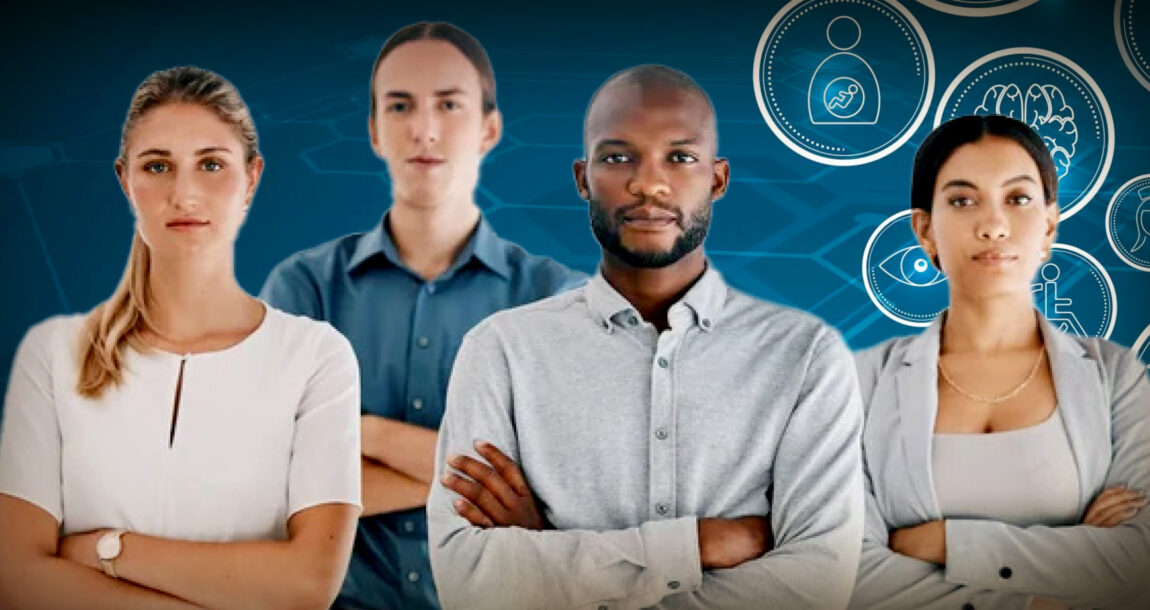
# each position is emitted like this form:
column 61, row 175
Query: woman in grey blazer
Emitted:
column 1007, row 462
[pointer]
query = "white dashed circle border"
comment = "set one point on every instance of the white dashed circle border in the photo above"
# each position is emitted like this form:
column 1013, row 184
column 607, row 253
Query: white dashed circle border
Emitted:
column 879, row 301
column 910, row 129
column 1107, row 117
column 1139, row 71
column 1119, row 249
column 972, row 11
column 1104, row 283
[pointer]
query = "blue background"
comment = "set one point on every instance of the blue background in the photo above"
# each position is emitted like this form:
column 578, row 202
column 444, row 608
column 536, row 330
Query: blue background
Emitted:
column 789, row 230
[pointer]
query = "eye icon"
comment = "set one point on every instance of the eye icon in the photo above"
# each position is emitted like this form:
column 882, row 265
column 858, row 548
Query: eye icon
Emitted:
column 911, row 267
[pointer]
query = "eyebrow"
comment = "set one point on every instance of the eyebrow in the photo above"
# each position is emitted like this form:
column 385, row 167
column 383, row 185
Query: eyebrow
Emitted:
column 618, row 142
column 968, row 184
column 159, row 152
column 1019, row 178
column 438, row 93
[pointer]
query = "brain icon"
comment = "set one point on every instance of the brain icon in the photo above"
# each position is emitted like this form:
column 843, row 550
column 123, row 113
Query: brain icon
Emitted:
column 1044, row 108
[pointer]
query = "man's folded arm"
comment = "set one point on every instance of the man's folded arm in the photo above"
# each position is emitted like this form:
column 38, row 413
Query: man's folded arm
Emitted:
column 817, row 507
column 518, row 568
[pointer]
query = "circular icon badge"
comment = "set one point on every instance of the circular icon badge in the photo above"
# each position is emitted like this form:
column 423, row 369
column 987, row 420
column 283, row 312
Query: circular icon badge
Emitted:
column 1053, row 95
column 1131, row 25
column 1142, row 348
column 843, row 82
column 899, row 278
column 977, row 8
column 1128, row 222
column 1075, row 293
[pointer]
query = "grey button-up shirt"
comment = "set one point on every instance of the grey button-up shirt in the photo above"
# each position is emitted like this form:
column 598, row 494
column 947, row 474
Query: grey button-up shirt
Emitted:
column 628, row 436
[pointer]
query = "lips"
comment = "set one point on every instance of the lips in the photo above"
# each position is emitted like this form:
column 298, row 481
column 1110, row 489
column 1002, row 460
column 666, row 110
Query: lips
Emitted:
column 994, row 257
column 426, row 160
column 649, row 217
column 185, row 224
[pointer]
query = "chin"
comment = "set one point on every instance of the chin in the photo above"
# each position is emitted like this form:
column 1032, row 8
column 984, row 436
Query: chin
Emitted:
column 649, row 247
column 995, row 288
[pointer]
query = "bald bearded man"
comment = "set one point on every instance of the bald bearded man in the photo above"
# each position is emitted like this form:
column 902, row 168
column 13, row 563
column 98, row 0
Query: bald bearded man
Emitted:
column 637, row 442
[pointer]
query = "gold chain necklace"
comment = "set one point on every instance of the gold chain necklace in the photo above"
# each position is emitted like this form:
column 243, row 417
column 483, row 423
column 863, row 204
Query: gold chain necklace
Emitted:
column 993, row 400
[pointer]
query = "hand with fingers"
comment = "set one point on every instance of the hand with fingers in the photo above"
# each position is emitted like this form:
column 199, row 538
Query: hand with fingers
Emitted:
column 494, row 494
column 1114, row 506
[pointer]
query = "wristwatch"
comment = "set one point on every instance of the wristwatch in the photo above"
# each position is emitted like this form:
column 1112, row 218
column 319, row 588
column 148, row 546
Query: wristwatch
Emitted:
column 108, row 548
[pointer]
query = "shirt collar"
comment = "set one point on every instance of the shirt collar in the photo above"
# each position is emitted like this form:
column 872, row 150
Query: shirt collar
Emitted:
column 705, row 298
column 483, row 245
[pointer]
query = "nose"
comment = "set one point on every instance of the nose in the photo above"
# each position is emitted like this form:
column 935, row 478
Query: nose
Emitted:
column 186, row 191
column 993, row 224
column 649, row 181
column 425, row 127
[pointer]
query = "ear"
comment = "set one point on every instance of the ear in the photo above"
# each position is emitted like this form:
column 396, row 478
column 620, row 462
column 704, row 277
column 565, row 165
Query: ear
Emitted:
column 1053, row 216
column 579, row 168
column 121, row 170
column 255, row 170
column 920, row 222
column 492, row 131
column 720, row 178
column 373, row 135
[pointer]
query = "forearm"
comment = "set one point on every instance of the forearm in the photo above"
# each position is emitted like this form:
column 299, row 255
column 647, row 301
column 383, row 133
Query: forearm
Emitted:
column 386, row 491
column 252, row 574
column 889, row 580
column 405, row 448
column 53, row 582
column 1080, row 565
column 816, row 573
column 573, row 568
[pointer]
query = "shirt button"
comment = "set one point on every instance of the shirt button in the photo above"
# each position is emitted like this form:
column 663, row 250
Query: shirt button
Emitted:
column 417, row 403
column 431, row 288
column 632, row 320
column 423, row 342
column 1005, row 572
column 661, row 508
column 408, row 526
column 705, row 323
column 662, row 362
column 661, row 434
column 674, row 584
column 413, row 576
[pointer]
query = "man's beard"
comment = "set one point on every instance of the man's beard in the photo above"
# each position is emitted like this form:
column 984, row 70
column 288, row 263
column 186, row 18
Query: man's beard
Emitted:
column 606, row 231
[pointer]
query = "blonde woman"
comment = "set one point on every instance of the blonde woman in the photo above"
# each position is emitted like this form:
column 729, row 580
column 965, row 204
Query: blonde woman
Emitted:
column 1007, row 463
column 183, row 444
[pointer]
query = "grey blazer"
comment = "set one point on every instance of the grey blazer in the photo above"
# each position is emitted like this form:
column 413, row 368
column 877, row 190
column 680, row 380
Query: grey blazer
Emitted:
column 1104, row 397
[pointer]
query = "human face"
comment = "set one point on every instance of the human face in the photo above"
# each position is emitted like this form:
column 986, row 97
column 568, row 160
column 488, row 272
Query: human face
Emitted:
column 185, row 177
column 990, row 224
column 651, row 173
column 429, row 126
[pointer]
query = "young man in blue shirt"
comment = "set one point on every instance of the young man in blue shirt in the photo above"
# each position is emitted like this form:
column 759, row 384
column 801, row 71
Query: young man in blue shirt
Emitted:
column 407, row 291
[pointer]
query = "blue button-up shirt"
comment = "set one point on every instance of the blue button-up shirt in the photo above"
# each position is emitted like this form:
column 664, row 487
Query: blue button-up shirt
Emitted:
column 405, row 331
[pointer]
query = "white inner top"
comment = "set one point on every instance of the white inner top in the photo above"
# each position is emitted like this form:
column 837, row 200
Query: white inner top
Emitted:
column 1022, row 477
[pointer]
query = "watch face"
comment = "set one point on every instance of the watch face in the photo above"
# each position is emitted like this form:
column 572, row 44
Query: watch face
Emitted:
column 108, row 546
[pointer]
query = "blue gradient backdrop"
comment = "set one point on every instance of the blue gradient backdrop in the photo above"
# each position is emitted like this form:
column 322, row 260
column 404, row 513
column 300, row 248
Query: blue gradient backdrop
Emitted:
column 790, row 229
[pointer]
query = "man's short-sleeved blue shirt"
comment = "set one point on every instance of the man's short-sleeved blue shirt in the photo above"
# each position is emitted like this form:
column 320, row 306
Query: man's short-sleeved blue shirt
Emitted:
column 405, row 331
